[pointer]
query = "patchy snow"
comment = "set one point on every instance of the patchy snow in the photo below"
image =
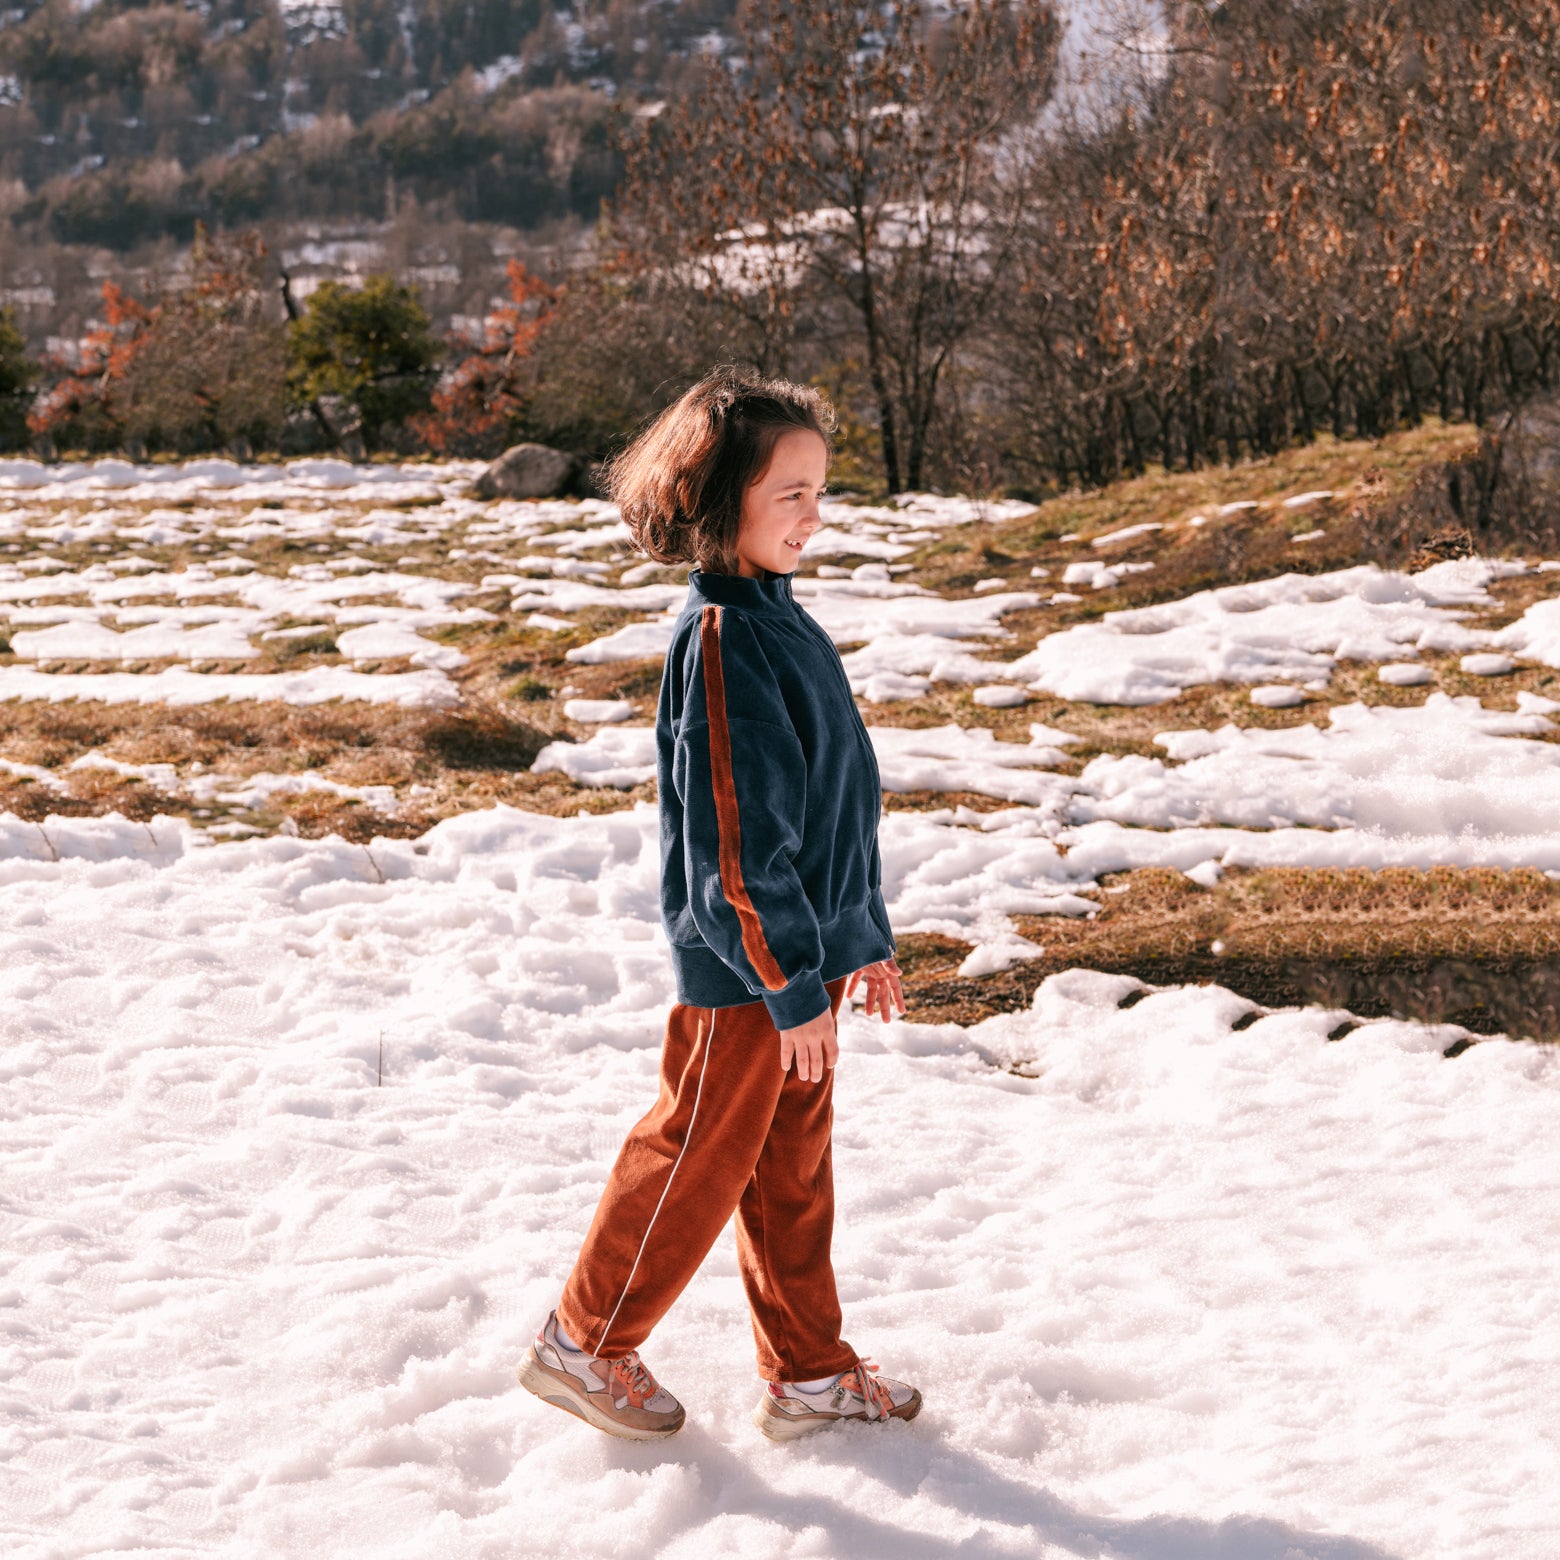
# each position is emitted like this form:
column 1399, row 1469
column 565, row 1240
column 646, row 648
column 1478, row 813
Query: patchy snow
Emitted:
column 633, row 642
column 1535, row 635
column 1127, row 533
column 76, row 480
column 951, row 758
column 1293, row 629
column 388, row 641
column 1444, row 769
column 1100, row 576
column 1446, row 781
column 176, row 685
column 619, row 756
column 999, row 696
column 1170, row 1290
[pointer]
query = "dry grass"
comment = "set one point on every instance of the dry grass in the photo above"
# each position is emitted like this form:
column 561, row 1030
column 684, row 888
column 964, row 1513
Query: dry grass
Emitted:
column 1473, row 946
column 1249, row 545
column 470, row 758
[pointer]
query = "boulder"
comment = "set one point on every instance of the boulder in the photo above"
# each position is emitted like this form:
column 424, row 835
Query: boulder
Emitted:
column 530, row 471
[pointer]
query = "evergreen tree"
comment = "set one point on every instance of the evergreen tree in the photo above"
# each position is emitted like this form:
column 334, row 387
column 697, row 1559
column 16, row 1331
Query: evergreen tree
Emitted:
column 372, row 346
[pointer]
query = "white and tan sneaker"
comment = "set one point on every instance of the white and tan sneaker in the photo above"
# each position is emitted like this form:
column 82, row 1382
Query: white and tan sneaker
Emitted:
column 786, row 1411
column 619, row 1395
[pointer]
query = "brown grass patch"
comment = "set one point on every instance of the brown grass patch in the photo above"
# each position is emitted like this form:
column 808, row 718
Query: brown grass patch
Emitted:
column 1367, row 480
column 1472, row 946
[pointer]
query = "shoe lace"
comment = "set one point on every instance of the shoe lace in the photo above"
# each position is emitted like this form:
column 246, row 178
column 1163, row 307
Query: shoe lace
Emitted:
column 630, row 1373
column 860, row 1378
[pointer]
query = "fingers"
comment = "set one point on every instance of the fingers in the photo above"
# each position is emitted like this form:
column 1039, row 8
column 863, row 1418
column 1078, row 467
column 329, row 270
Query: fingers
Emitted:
column 807, row 1061
column 885, row 991
column 813, row 1046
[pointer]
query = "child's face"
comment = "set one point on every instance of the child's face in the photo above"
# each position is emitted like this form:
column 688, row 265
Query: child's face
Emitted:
column 780, row 507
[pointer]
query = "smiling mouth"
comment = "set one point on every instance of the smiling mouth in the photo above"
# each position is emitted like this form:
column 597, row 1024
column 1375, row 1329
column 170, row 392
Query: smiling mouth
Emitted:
column 797, row 545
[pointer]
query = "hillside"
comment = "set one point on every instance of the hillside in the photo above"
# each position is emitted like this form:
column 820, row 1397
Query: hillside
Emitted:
column 426, row 137
column 121, row 122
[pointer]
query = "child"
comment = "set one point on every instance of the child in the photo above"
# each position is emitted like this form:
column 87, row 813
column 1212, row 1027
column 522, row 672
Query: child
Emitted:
column 771, row 900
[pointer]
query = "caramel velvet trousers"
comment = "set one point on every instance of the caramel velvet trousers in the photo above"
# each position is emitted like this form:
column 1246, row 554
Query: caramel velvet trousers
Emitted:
column 728, row 1133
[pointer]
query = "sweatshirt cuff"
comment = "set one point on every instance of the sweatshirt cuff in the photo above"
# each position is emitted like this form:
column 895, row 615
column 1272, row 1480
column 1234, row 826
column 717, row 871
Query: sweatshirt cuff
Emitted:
column 805, row 998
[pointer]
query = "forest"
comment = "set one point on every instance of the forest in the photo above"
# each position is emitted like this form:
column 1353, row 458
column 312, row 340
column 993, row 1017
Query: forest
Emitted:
column 1250, row 224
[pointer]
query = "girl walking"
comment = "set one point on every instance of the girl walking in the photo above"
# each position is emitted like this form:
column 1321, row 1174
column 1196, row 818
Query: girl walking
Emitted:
column 771, row 900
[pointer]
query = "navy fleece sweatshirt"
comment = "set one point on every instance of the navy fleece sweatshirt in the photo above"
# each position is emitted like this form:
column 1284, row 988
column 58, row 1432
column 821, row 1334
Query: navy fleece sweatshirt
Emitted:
column 771, row 882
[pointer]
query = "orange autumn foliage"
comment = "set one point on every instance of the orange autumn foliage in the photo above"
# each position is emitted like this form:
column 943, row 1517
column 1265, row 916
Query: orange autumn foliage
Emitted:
column 481, row 403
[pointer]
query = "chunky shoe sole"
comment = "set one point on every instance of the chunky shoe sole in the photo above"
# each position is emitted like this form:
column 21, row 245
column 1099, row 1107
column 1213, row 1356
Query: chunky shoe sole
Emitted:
column 779, row 1426
column 565, row 1394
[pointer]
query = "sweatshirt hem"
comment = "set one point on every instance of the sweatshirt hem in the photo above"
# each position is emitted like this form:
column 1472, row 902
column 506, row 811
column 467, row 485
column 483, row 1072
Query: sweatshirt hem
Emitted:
column 705, row 980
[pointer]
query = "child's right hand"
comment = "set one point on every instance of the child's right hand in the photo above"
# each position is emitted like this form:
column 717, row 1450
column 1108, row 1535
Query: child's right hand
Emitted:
column 814, row 1046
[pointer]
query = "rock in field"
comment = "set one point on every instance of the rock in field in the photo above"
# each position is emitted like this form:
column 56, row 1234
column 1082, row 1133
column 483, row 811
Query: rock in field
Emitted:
column 531, row 471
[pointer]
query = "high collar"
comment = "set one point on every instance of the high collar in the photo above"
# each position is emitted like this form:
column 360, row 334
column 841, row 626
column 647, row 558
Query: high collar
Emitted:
column 772, row 594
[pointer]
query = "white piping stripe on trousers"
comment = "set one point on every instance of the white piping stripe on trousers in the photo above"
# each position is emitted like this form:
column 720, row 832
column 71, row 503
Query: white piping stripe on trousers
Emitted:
column 709, row 1042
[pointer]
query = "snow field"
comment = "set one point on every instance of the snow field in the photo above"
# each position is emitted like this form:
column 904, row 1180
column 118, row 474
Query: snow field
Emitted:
column 1170, row 1290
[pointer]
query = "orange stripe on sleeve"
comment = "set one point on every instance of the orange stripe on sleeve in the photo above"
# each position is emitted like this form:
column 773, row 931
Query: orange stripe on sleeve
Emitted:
column 728, row 824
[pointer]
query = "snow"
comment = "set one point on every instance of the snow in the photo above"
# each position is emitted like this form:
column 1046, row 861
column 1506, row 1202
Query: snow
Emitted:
column 1444, row 769
column 1405, row 674
column 951, row 758
column 999, row 696
column 1447, row 781
column 598, row 711
column 1277, row 696
column 91, row 641
column 634, row 642
column 1294, row 628
column 1100, row 576
column 1169, row 1290
column 1535, row 635
column 1487, row 665
column 386, row 641
column 1127, row 533
column 620, row 756
column 177, row 685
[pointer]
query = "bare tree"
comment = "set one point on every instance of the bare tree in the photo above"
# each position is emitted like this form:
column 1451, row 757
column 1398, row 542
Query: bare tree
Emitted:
column 860, row 167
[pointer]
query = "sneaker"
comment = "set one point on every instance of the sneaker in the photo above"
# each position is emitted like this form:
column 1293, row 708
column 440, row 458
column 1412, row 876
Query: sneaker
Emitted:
column 619, row 1396
column 787, row 1412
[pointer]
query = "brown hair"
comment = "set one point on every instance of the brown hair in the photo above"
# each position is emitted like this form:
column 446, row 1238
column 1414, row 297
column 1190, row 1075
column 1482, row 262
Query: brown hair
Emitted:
column 680, row 483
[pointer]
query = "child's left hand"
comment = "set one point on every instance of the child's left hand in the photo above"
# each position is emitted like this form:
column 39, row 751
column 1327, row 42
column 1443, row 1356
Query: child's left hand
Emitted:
column 884, row 991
